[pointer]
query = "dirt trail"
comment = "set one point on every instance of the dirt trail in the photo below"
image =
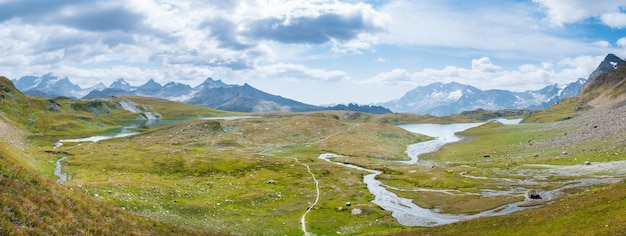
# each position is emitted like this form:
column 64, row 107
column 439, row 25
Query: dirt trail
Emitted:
column 317, row 197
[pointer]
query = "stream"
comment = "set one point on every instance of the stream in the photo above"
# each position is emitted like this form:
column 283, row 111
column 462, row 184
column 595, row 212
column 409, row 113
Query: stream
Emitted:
column 125, row 131
column 410, row 214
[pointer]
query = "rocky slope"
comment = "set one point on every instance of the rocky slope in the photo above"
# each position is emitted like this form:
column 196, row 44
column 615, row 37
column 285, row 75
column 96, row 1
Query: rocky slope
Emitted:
column 606, row 85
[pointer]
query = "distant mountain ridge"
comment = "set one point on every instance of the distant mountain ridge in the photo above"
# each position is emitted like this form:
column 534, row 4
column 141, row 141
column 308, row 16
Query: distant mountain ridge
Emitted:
column 211, row 93
column 48, row 84
column 441, row 99
column 437, row 99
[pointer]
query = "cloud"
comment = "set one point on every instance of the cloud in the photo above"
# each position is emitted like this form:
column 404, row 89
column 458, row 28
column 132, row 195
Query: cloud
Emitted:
column 32, row 10
column 509, row 28
column 225, row 32
column 308, row 30
column 96, row 18
column 231, row 63
column 299, row 72
column 90, row 16
column 484, row 64
column 601, row 44
column 614, row 19
column 621, row 42
column 317, row 22
column 561, row 12
column 485, row 75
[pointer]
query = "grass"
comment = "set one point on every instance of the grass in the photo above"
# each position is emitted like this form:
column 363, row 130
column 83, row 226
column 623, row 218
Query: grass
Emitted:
column 564, row 110
column 597, row 212
column 33, row 205
column 214, row 174
column 206, row 176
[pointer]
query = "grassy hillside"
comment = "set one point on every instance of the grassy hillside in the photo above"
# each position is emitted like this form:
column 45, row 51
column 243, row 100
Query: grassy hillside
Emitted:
column 63, row 116
column 33, row 205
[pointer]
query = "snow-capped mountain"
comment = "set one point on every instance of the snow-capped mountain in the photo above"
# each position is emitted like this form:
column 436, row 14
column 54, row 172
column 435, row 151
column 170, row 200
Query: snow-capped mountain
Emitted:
column 610, row 63
column 99, row 87
column 121, row 84
column 210, row 93
column 49, row 85
column 435, row 99
column 441, row 99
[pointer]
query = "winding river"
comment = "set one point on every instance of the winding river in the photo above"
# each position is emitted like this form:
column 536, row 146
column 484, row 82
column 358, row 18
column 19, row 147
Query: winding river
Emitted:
column 409, row 214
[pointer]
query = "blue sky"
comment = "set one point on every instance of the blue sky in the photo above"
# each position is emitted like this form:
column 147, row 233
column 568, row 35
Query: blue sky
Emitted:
column 316, row 51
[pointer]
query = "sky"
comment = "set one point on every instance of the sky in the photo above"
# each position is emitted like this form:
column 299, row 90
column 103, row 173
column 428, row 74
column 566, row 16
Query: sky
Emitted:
column 317, row 51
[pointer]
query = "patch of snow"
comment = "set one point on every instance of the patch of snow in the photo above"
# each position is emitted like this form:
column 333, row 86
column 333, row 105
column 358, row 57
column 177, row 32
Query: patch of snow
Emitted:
column 455, row 95
column 614, row 64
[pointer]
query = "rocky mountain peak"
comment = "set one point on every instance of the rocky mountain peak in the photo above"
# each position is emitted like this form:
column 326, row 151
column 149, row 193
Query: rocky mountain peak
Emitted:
column 610, row 63
column 150, row 85
column 121, row 84
column 100, row 86
column 211, row 83
column 605, row 85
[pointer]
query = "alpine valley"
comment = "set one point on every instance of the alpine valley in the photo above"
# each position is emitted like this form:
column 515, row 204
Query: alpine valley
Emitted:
column 123, row 164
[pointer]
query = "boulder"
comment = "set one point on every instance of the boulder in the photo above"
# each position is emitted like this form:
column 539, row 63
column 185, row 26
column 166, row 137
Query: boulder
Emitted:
column 356, row 211
column 533, row 194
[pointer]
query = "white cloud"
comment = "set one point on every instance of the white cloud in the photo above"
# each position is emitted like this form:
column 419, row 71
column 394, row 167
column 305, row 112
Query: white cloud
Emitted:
column 561, row 12
column 601, row 44
column 507, row 28
column 285, row 71
column 621, row 42
column 484, row 64
column 614, row 19
column 485, row 75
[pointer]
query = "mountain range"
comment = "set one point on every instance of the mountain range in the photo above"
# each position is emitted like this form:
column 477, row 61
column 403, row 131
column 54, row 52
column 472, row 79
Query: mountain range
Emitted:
column 444, row 99
column 211, row 93
column 436, row 99
column 441, row 99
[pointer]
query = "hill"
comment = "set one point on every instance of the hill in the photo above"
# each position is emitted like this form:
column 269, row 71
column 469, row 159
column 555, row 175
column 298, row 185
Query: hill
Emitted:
column 33, row 205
